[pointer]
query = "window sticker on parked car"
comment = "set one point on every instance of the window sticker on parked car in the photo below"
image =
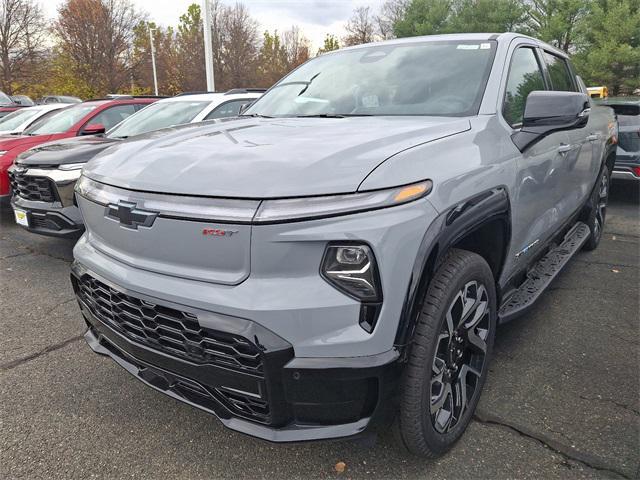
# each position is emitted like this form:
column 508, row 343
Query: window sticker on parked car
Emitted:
column 466, row 46
column 370, row 101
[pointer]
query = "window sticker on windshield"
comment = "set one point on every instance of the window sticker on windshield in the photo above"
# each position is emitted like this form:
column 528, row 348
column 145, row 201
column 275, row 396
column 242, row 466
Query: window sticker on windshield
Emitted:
column 370, row 101
column 465, row 46
column 485, row 46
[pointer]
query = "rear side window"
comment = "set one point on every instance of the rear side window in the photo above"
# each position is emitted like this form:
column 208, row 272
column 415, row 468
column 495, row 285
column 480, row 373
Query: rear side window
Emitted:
column 229, row 109
column 628, row 120
column 559, row 73
column 525, row 76
column 113, row 116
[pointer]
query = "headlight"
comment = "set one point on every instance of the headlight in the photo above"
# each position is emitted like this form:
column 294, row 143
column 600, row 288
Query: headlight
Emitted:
column 352, row 269
column 2, row 152
column 275, row 211
column 71, row 166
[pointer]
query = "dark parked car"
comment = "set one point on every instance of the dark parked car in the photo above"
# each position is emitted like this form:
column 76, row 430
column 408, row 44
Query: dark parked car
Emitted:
column 627, row 109
column 87, row 118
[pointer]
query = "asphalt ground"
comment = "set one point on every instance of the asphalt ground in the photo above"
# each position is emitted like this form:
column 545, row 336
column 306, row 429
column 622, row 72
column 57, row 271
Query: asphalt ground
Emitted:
column 561, row 401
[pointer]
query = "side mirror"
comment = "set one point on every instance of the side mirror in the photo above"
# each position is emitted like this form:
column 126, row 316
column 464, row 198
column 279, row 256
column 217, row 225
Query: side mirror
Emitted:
column 546, row 112
column 93, row 129
column 244, row 107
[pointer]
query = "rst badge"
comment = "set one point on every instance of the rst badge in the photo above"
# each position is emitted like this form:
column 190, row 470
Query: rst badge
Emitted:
column 218, row 232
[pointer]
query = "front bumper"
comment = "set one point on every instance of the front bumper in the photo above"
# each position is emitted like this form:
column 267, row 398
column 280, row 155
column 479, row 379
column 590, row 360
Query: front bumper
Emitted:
column 286, row 399
column 51, row 219
column 46, row 195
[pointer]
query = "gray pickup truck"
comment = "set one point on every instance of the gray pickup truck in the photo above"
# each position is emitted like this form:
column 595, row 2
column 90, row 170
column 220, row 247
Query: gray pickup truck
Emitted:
column 339, row 256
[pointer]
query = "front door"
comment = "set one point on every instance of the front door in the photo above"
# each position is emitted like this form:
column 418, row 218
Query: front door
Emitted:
column 540, row 178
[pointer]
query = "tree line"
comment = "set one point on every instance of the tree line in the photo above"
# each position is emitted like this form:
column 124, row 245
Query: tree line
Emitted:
column 95, row 47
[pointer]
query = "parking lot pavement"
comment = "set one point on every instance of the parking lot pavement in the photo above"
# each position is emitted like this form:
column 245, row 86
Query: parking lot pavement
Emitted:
column 562, row 399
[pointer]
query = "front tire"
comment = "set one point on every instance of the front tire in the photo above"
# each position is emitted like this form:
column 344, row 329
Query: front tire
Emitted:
column 598, row 210
column 449, row 356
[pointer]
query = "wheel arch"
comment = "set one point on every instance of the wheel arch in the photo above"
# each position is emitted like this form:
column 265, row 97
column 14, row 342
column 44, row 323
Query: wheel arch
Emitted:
column 480, row 224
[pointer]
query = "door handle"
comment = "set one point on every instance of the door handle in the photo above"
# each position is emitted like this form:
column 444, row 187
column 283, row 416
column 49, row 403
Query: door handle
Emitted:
column 564, row 148
column 593, row 137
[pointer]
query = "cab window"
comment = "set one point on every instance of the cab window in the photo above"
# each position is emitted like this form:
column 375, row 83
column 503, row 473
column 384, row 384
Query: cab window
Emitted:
column 525, row 76
column 559, row 73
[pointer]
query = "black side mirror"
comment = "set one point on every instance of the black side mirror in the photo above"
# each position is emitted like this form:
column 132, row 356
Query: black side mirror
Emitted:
column 546, row 112
column 244, row 107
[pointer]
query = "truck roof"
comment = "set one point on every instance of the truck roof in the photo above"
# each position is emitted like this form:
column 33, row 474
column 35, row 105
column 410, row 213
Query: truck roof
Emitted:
column 479, row 37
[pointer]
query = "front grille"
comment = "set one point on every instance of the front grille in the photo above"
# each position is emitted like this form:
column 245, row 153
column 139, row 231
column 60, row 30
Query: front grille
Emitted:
column 44, row 223
column 169, row 330
column 39, row 189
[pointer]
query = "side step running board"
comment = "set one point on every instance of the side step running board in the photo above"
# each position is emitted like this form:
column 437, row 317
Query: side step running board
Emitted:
column 543, row 273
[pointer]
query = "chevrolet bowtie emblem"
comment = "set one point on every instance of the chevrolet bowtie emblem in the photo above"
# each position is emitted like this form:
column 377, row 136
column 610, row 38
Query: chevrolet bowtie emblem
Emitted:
column 129, row 216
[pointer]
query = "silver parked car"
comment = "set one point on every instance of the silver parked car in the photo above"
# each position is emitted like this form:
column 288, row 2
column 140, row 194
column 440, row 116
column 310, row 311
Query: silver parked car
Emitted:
column 340, row 257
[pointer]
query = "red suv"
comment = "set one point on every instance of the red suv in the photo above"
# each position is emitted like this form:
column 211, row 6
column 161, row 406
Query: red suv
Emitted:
column 87, row 118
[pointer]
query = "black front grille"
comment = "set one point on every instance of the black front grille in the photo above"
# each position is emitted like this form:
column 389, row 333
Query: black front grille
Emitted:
column 40, row 189
column 169, row 330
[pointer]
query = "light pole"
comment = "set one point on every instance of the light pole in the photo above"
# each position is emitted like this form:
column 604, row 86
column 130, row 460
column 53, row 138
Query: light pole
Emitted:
column 153, row 60
column 208, row 52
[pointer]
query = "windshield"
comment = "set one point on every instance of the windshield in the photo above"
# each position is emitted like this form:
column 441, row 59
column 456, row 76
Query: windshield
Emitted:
column 4, row 99
column 60, row 122
column 19, row 117
column 158, row 115
column 426, row 78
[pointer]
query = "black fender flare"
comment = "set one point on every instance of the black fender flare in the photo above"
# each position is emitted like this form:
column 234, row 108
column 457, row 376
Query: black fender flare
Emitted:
column 448, row 228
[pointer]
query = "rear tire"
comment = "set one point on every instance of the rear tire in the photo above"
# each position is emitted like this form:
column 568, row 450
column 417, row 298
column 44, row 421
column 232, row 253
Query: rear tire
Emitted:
column 598, row 210
column 449, row 356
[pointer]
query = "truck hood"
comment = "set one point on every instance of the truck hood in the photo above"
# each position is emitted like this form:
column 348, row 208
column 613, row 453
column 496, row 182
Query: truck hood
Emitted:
column 68, row 150
column 265, row 158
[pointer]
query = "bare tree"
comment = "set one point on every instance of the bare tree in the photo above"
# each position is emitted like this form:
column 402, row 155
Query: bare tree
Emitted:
column 296, row 46
column 97, row 36
column 360, row 27
column 239, row 46
column 390, row 13
column 22, row 29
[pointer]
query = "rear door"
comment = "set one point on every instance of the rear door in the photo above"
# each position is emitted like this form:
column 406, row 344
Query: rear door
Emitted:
column 539, row 178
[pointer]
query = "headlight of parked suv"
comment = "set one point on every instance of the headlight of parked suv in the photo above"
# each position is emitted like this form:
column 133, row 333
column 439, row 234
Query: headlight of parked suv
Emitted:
column 71, row 166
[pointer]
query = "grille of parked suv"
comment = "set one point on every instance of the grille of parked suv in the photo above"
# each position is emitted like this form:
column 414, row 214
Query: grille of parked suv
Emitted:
column 168, row 330
column 39, row 189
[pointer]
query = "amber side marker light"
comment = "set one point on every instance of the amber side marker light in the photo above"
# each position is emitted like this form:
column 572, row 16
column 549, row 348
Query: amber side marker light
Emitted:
column 411, row 192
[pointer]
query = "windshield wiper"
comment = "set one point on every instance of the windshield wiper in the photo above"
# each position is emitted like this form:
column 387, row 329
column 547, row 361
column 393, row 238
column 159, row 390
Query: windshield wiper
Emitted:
column 335, row 115
column 321, row 115
column 256, row 115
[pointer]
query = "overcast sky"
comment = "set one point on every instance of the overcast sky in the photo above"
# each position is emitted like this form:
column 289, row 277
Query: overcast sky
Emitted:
column 316, row 18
